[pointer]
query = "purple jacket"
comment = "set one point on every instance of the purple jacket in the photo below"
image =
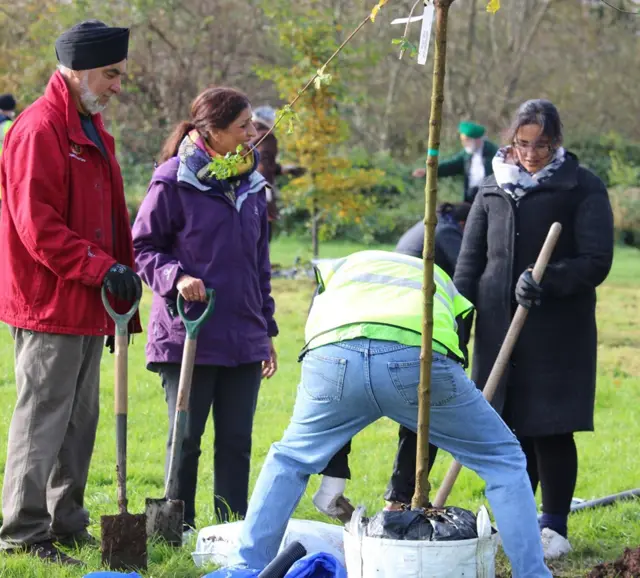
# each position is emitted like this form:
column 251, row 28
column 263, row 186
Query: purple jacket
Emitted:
column 184, row 226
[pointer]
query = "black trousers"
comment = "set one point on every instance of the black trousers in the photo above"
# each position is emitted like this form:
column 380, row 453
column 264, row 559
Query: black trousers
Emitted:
column 231, row 394
column 552, row 462
column 402, row 482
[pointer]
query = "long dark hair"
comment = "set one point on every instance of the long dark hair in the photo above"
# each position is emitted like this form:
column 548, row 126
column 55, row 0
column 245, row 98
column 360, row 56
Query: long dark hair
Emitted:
column 541, row 112
column 214, row 108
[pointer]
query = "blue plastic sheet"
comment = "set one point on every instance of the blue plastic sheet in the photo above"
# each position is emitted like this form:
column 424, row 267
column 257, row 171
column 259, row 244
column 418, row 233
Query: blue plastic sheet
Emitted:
column 319, row 565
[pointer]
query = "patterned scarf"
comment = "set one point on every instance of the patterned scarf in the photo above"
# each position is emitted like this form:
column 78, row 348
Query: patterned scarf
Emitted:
column 514, row 179
column 197, row 157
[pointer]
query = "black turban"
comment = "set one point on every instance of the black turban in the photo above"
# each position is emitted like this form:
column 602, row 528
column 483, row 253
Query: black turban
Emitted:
column 92, row 44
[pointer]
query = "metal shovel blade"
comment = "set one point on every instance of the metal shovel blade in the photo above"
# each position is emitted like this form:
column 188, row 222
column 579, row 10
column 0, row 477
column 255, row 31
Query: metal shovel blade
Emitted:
column 165, row 520
column 124, row 541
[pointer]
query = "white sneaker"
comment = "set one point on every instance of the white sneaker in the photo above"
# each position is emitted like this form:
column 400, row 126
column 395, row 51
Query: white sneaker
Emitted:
column 553, row 544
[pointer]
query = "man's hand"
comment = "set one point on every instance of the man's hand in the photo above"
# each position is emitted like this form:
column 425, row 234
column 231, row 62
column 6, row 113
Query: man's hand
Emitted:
column 191, row 289
column 420, row 173
column 528, row 292
column 270, row 367
column 123, row 282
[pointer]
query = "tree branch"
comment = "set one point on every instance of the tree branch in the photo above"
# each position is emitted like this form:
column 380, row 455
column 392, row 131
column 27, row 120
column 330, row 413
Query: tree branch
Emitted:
column 516, row 68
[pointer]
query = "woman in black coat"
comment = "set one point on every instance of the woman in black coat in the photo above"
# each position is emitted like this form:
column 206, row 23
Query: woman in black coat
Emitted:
column 549, row 389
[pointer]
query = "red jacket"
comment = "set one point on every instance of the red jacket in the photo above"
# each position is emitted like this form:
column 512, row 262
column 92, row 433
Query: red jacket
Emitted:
column 64, row 221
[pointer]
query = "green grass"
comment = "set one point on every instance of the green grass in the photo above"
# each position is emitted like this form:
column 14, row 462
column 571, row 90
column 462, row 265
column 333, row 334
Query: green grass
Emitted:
column 286, row 249
column 609, row 461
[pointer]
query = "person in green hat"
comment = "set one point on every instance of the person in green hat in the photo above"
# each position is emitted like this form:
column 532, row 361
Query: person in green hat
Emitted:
column 473, row 162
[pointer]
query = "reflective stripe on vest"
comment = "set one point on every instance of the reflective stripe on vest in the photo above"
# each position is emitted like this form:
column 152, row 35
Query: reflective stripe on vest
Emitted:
column 440, row 286
column 381, row 287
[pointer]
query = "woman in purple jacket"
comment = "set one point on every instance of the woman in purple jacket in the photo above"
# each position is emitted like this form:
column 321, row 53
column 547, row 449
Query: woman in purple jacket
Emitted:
column 194, row 232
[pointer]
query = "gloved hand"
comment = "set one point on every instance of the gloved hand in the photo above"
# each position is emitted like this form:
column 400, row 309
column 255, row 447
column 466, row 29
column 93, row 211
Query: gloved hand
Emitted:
column 330, row 490
column 110, row 342
column 528, row 292
column 123, row 282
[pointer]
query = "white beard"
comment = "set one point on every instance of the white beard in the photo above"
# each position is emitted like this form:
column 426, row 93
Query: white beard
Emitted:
column 88, row 99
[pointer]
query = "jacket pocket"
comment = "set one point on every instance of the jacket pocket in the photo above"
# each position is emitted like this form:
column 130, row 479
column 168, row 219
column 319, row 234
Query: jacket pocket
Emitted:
column 45, row 294
column 323, row 377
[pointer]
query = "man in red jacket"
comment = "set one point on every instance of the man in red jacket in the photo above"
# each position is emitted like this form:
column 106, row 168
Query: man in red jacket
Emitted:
column 64, row 234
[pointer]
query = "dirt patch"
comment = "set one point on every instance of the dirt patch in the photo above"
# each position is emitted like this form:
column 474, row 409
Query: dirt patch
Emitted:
column 627, row 566
column 124, row 541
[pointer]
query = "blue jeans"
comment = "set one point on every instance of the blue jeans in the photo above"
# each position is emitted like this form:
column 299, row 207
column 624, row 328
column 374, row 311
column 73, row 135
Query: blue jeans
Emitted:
column 347, row 386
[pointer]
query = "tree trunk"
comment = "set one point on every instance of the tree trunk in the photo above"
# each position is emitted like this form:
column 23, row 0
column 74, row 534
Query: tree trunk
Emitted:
column 315, row 241
column 421, row 495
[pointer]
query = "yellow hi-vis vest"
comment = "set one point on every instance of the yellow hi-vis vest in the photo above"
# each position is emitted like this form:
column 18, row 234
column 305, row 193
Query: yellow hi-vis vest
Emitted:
column 4, row 127
column 378, row 295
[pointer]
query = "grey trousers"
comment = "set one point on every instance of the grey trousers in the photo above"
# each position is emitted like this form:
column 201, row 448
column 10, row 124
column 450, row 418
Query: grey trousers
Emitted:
column 51, row 436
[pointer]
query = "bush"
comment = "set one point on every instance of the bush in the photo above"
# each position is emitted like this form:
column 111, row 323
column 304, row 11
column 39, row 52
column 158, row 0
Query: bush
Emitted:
column 624, row 195
column 596, row 154
column 625, row 203
column 399, row 198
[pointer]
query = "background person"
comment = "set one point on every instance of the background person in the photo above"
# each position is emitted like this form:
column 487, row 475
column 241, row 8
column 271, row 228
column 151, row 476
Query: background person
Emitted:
column 473, row 162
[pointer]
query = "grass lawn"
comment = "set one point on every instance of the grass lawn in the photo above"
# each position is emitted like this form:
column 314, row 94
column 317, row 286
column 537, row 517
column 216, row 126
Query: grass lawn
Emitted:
column 609, row 461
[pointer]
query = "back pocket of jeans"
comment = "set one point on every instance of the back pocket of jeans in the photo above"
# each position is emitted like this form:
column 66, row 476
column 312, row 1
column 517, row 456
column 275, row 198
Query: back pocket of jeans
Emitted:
column 405, row 376
column 323, row 377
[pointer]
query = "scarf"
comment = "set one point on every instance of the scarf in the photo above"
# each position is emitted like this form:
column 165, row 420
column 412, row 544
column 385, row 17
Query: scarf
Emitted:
column 514, row 179
column 197, row 157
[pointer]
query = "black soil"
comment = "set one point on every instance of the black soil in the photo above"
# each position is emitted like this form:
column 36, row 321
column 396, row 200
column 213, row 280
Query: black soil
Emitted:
column 124, row 541
column 627, row 566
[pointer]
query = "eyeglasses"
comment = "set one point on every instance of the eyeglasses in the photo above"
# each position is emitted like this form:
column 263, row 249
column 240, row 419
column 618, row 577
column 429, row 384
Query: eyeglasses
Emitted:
column 538, row 149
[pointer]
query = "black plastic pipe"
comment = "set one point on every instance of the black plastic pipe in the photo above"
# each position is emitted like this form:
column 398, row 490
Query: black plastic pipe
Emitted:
column 607, row 500
column 280, row 565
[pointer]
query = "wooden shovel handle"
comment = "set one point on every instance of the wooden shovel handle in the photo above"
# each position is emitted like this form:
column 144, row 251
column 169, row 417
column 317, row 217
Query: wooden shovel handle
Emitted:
column 121, row 321
column 504, row 354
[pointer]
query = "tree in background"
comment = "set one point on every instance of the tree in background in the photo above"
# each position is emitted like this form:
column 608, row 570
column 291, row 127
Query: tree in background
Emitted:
column 332, row 189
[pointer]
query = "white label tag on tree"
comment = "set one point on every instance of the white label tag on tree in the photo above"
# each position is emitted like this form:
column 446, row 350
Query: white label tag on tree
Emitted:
column 405, row 20
column 425, row 32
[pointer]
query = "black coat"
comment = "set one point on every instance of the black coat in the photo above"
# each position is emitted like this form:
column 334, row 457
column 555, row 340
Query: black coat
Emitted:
column 549, row 387
column 448, row 239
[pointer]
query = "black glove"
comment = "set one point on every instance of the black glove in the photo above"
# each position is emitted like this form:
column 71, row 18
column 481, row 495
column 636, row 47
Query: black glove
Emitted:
column 123, row 282
column 528, row 292
column 110, row 342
